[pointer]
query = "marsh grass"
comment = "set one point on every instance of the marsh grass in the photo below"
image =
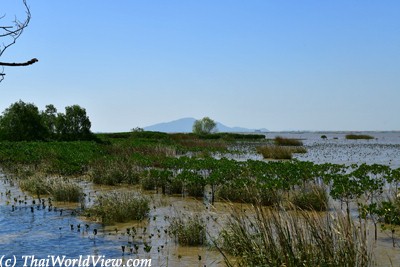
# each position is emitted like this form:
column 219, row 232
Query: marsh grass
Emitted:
column 114, row 171
column 188, row 230
column 293, row 238
column 359, row 136
column 60, row 189
column 311, row 197
column 115, row 207
column 279, row 152
column 282, row 141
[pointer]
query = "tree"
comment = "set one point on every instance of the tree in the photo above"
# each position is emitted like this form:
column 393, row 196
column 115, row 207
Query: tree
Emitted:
column 10, row 34
column 204, row 126
column 22, row 121
column 49, row 117
column 74, row 124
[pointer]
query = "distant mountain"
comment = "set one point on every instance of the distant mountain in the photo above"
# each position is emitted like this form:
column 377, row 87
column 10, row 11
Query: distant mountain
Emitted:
column 185, row 125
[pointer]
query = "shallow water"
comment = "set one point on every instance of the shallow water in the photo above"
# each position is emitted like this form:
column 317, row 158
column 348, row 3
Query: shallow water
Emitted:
column 43, row 232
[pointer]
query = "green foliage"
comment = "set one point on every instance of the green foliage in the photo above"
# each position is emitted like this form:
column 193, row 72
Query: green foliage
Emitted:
column 204, row 126
column 74, row 124
column 22, row 121
column 114, row 171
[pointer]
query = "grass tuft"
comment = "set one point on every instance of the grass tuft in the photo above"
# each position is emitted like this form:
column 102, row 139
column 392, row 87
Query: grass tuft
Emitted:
column 114, row 207
column 188, row 231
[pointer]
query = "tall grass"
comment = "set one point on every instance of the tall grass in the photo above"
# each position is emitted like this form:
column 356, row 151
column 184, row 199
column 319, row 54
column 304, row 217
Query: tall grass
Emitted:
column 188, row 231
column 283, row 141
column 114, row 171
column 59, row 189
column 114, row 207
column 295, row 238
column 312, row 197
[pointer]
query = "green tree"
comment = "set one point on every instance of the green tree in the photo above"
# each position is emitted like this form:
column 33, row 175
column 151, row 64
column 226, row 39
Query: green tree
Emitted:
column 204, row 126
column 49, row 117
column 74, row 124
column 22, row 122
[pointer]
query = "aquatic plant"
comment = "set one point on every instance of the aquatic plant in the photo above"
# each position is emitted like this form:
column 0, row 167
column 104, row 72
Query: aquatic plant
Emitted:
column 60, row 189
column 282, row 141
column 296, row 238
column 119, row 207
column 188, row 230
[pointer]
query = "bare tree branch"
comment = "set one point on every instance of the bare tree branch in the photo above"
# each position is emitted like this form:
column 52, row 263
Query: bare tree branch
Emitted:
column 11, row 35
column 30, row 62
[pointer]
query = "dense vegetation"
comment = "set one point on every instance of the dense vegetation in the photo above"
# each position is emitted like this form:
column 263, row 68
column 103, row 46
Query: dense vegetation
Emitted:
column 24, row 122
column 184, row 164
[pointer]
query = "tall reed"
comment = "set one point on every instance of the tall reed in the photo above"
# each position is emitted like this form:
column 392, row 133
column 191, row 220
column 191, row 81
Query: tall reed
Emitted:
column 294, row 238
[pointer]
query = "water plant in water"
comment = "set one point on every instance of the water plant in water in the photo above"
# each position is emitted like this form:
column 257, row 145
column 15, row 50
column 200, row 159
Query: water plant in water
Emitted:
column 282, row 141
column 275, row 237
column 120, row 206
column 188, row 230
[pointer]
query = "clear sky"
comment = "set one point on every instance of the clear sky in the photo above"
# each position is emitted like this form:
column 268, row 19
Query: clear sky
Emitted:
column 280, row 65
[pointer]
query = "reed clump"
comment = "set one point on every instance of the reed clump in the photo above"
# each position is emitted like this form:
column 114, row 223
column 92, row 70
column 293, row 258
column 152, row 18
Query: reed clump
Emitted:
column 123, row 206
column 294, row 238
column 188, row 230
column 283, row 141
column 359, row 136
column 60, row 189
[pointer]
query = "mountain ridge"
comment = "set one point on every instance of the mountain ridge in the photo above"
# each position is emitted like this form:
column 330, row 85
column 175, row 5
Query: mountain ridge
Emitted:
column 184, row 125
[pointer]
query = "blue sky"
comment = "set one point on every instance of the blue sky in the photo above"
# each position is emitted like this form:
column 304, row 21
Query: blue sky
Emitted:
column 280, row 65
